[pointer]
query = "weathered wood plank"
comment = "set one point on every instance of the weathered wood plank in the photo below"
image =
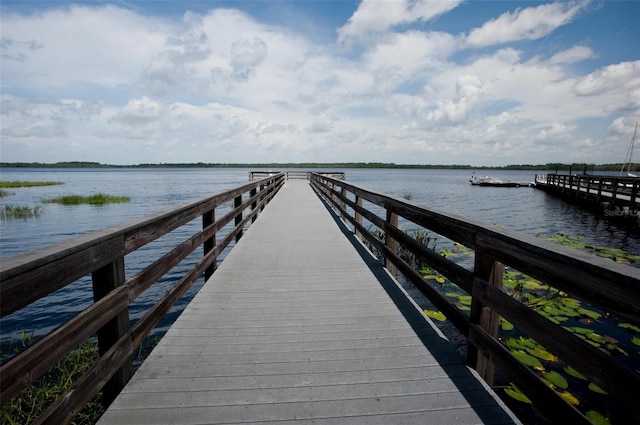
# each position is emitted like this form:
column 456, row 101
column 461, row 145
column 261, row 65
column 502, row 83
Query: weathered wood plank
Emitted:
column 19, row 290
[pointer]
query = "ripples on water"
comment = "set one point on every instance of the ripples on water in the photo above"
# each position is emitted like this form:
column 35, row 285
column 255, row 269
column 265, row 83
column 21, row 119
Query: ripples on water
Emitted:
column 522, row 209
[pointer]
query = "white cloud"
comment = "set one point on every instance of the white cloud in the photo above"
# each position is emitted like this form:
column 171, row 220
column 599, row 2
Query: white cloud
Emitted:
column 139, row 112
column 455, row 111
column 573, row 55
column 375, row 16
column 122, row 87
column 78, row 46
column 557, row 131
column 625, row 75
column 525, row 24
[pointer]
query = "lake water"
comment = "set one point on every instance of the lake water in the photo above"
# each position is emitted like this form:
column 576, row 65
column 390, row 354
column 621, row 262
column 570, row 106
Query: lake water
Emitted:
column 522, row 209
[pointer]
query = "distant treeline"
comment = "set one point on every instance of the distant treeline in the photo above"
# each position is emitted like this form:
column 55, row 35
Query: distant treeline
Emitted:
column 550, row 166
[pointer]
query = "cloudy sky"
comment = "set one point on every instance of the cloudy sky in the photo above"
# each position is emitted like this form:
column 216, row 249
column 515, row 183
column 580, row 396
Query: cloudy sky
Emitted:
column 405, row 81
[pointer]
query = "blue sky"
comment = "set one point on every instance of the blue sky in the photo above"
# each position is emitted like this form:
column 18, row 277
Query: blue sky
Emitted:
column 404, row 81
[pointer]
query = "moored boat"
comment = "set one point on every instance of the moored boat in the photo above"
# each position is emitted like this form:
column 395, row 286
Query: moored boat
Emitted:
column 492, row 181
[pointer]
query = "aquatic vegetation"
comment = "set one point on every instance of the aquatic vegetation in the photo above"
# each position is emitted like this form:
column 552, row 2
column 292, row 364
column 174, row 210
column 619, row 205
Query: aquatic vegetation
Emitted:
column 587, row 322
column 436, row 315
column 97, row 199
column 15, row 184
column 515, row 393
column 556, row 379
column 4, row 193
column 12, row 212
column 28, row 404
column 597, row 418
column 422, row 236
column 25, row 407
column 577, row 242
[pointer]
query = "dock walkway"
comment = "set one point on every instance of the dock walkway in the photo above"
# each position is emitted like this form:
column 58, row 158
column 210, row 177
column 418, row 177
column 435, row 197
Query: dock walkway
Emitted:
column 300, row 325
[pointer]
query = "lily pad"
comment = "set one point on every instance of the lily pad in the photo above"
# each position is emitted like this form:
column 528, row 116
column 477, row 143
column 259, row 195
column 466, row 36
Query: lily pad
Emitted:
column 629, row 326
column 436, row 315
column 543, row 354
column 596, row 389
column 513, row 392
column 588, row 334
column 505, row 325
column 571, row 371
column 616, row 349
column 528, row 359
column 589, row 313
column 597, row 418
column 520, row 343
column 570, row 398
column 556, row 379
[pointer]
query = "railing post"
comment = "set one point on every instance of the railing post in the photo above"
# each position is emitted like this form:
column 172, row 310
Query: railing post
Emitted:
column 391, row 244
column 105, row 280
column 208, row 219
column 343, row 205
column 633, row 210
column 236, row 203
column 254, row 204
column 614, row 194
column 358, row 217
column 262, row 188
column 485, row 268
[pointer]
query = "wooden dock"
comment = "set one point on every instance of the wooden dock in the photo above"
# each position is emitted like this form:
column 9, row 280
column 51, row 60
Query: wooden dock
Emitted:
column 300, row 325
column 615, row 197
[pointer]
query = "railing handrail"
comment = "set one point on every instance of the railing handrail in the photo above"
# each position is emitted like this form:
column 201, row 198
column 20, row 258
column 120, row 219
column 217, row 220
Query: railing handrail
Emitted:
column 612, row 192
column 597, row 281
column 297, row 174
column 28, row 277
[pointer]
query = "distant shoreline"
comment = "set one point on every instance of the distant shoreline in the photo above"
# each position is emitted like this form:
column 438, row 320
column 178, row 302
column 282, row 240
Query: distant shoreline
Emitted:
column 550, row 166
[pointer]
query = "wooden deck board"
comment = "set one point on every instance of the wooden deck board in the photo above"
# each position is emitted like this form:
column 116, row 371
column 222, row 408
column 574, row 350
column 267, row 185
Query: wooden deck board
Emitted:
column 296, row 326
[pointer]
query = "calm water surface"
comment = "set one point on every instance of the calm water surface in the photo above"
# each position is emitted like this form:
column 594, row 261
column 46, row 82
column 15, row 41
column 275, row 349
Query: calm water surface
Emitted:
column 522, row 209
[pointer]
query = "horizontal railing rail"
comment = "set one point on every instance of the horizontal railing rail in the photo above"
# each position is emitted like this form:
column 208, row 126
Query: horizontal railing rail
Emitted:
column 296, row 174
column 29, row 277
column 610, row 190
column 597, row 281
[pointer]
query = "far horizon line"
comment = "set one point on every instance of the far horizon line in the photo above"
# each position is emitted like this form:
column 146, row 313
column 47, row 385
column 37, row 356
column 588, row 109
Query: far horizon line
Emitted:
column 547, row 166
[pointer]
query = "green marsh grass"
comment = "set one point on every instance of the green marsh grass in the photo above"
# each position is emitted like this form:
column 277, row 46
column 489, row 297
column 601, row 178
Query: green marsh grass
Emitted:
column 25, row 407
column 97, row 199
column 15, row 184
column 13, row 212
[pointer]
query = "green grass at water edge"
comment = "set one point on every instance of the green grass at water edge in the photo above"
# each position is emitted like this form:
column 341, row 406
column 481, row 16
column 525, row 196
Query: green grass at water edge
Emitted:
column 15, row 184
column 97, row 199
column 25, row 407
column 12, row 212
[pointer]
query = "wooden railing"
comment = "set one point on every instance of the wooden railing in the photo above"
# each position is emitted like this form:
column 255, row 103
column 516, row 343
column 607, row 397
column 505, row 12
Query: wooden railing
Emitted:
column 610, row 193
column 34, row 275
column 253, row 175
column 612, row 287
